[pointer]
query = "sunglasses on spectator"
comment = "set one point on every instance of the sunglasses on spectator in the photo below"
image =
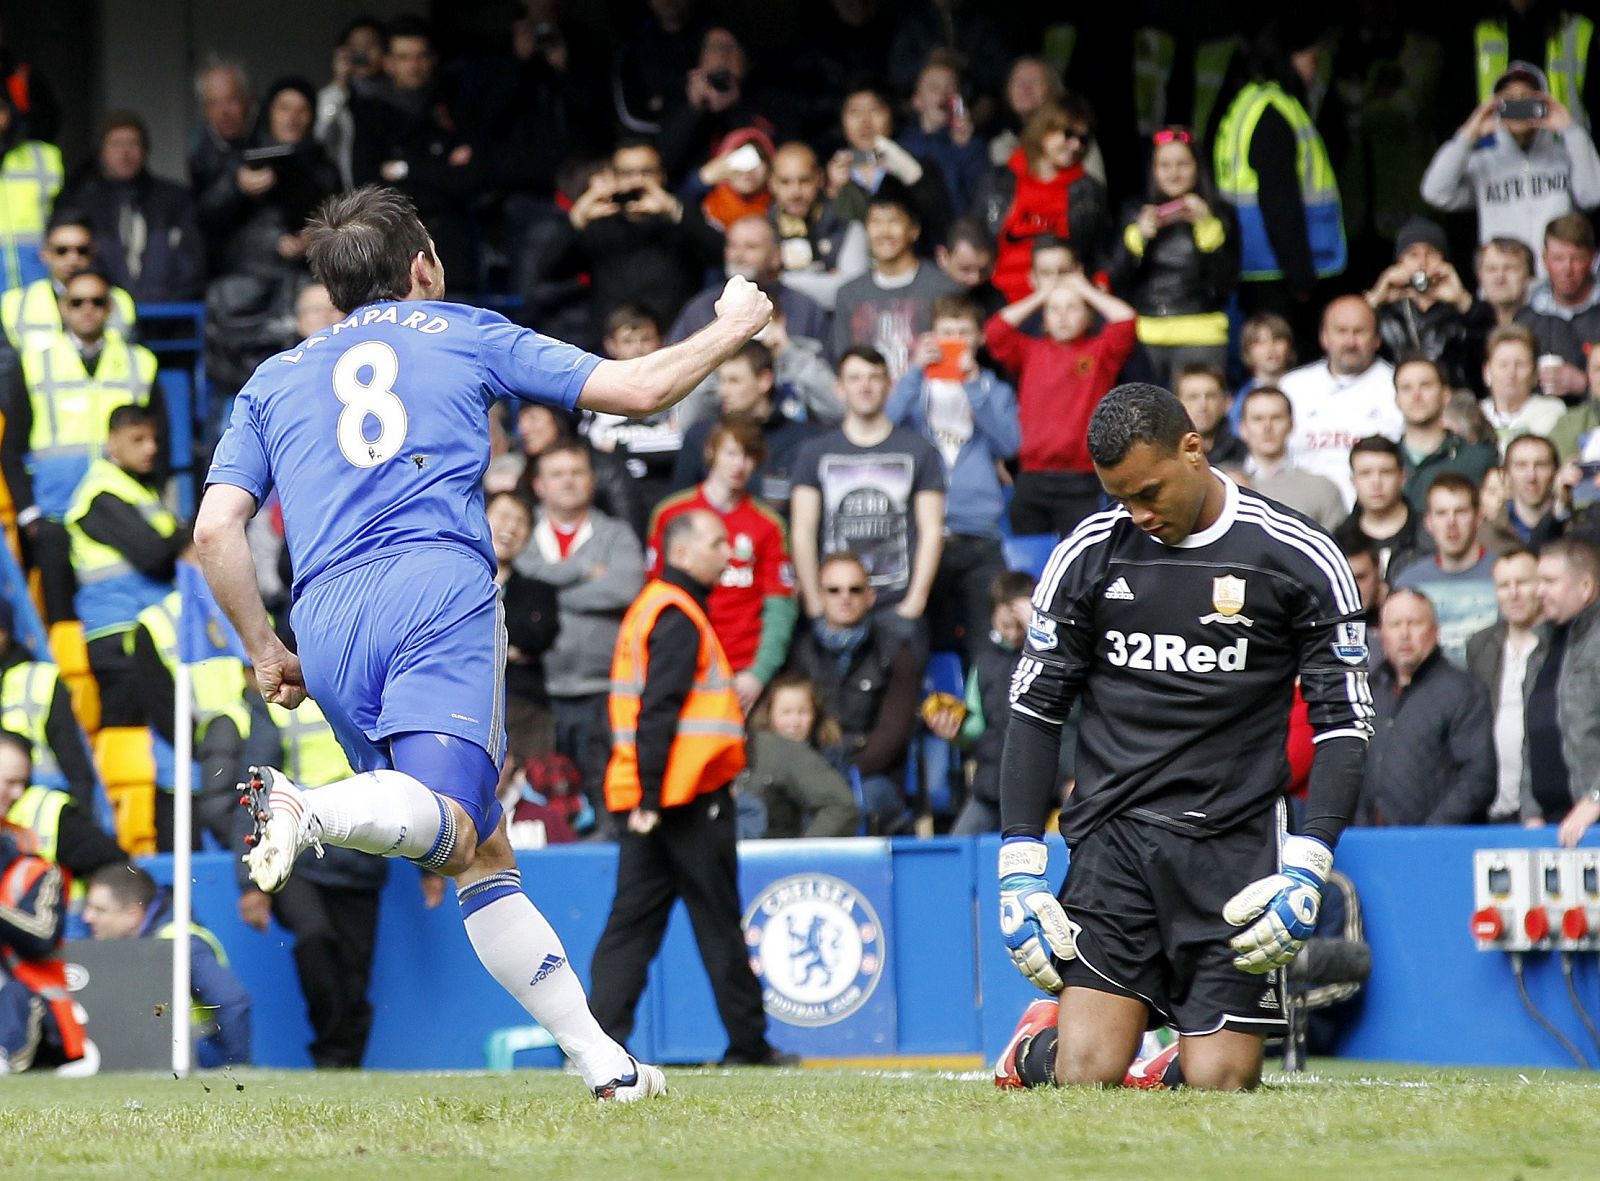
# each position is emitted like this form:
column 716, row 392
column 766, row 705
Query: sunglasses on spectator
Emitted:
column 1082, row 134
column 85, row 251
column 854, row 589
column 1173, row 135
column 94, row 301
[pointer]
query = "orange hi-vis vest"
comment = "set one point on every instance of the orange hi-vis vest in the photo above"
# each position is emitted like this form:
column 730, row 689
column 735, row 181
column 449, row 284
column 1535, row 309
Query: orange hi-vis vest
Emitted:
column 44, row 978
column 708, row 748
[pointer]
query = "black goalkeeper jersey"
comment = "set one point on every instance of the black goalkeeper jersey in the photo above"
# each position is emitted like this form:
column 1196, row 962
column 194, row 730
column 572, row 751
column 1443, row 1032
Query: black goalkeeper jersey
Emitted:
column 1185, row 658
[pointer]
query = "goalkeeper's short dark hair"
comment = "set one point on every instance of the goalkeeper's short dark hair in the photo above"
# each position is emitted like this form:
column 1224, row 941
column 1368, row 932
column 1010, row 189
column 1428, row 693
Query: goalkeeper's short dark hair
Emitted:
column 1136, row 413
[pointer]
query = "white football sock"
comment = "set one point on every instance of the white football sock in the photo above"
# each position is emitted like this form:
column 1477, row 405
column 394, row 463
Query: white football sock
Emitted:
column 523, row 952
column 388, row 813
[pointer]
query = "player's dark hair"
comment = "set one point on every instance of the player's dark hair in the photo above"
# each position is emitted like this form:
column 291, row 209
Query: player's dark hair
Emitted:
column 1376, row 445
column 130, row 415
column 1136, row 413
column 1008, row 585
column 861, row 352
column 1534, row 441
column 128, row 884
column 360, row 244
column 756, row 355
column 1453, row 482
column 1581, row 556
column 17, row 743
column 1268, row 391
column 743, row 430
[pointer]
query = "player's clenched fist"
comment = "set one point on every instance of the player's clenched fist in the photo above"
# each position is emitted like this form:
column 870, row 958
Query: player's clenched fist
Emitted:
column 1283, row 907
column 1032, row 923
column 744, row 303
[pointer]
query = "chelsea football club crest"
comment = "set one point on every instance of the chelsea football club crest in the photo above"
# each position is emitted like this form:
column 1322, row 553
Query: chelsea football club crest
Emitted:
column 1227, row 596
column 816, row 946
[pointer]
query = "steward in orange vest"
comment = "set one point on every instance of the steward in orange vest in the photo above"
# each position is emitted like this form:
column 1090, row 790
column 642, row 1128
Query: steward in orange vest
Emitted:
column 706, row 748
column 38, row 1020
column 678, row 735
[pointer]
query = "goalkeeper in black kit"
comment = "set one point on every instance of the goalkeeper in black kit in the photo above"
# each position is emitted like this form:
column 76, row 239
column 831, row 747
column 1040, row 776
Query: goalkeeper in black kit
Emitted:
column 1180, row 618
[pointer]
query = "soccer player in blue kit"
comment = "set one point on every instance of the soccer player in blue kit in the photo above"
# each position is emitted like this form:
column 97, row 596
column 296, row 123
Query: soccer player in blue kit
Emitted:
column 375, row 435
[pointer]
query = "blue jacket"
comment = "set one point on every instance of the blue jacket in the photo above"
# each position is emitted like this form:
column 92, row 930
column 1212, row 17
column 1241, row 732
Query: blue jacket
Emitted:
column 214, row 985
column 973, row 499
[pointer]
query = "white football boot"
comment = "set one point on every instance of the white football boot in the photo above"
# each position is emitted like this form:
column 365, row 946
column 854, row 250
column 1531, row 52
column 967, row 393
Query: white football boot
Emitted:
column 646, row 1082
column 284, row 827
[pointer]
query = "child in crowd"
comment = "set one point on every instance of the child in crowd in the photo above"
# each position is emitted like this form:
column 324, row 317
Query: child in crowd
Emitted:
column 981, row 729
column 1061, row 378
column 1266, row 345
column 788, row 789
column 970, row 416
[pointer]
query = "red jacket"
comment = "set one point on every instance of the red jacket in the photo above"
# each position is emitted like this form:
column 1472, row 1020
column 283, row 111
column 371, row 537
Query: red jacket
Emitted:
column 1058, row 387
column 1037, row 207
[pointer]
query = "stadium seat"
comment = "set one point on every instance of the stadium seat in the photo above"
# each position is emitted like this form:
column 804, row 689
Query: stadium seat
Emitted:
column 501, row 1047
column 128, row 768
column 937, row 758
column 861, row 800
column 72, row 658
column 1030, row 553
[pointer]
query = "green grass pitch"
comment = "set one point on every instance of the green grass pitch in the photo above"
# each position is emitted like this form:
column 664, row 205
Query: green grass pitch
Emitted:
column 1338, row 1121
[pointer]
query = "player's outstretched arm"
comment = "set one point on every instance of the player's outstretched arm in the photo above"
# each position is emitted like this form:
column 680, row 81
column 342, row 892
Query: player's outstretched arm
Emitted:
column 219, row 539
column 647, row 385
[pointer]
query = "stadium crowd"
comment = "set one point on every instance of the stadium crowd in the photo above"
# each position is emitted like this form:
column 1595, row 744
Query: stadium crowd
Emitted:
column 1361, row 254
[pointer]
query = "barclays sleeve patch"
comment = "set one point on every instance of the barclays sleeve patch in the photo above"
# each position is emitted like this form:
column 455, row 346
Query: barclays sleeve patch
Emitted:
column 1350, row 642
column 1042, row 633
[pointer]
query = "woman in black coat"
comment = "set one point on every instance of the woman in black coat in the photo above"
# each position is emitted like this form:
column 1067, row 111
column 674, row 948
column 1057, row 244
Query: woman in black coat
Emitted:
column 1177, row 260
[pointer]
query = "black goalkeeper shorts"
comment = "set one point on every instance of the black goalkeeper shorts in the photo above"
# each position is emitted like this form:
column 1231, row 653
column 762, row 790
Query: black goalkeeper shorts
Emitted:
column 1146, row 905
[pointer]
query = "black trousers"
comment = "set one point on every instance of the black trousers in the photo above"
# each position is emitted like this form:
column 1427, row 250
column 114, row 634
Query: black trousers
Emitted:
column 120, row 700
column 690, row 855
column 335, row 931
column 958, row 608
column 1053, row 502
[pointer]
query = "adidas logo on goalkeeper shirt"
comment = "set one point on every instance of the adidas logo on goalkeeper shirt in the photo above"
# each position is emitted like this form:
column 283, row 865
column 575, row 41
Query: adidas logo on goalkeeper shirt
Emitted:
column 1120, row 590
column 552, row 963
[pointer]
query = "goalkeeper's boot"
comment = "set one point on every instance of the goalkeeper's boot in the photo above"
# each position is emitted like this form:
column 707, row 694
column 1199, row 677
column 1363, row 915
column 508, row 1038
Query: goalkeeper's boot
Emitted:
column 1159, row 1072
column 283, row 828
column 646, row 1082
column 1041, row 1015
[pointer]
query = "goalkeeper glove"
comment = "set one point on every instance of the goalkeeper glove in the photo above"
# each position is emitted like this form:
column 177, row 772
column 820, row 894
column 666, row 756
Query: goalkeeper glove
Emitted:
column 1032, row 923
column 1281, row 909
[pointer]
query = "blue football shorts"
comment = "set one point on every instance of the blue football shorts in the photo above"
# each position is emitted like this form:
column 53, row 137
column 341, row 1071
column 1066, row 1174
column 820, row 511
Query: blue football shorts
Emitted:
column 414, row 643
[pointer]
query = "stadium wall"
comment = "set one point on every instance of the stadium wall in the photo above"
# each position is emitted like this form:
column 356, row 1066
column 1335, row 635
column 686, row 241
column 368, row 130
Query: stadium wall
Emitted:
column 880, row 948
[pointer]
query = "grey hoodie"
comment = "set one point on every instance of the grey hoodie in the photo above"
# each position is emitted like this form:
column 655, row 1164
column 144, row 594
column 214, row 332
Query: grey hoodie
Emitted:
column 1516, row 193
column 595, row 583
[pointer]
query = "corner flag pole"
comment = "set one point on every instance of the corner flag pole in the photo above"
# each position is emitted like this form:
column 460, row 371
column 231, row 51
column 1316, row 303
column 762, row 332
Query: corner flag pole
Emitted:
column 182, row 840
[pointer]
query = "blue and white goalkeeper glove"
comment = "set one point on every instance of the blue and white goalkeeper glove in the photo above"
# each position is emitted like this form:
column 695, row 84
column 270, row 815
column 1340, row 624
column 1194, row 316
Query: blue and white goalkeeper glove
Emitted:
column 1281, row 909
column 1032, row 923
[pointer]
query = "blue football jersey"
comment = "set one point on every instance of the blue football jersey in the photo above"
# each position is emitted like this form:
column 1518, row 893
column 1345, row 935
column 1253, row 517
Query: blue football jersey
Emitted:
column 375, row 431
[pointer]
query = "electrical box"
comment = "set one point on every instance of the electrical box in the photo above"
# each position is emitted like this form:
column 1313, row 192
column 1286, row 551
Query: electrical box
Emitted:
column 1508, row 913
column 1554, row 895
column 1580, row 926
